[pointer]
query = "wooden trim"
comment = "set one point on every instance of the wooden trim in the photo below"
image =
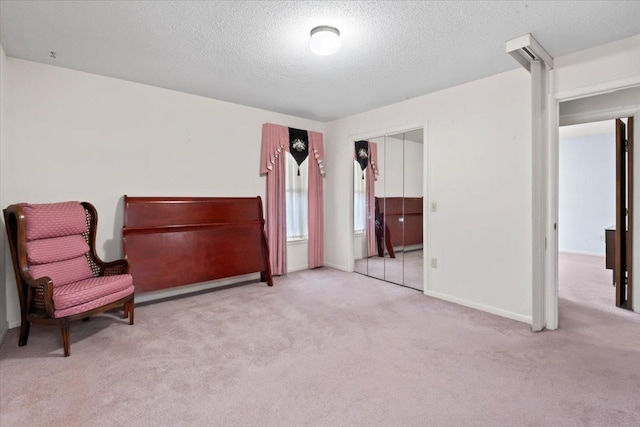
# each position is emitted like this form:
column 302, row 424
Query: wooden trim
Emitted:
column 630, row 224
column 621, row 223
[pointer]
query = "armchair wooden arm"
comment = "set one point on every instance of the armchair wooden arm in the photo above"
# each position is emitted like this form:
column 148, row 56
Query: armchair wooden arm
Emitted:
column 34, row 286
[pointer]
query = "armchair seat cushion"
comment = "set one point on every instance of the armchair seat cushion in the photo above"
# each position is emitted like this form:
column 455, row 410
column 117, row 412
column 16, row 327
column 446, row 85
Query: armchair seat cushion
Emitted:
column 84, row 295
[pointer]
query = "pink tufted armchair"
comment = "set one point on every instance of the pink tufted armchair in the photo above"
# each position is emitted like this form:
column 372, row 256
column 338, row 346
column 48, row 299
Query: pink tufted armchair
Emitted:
column 59, row 276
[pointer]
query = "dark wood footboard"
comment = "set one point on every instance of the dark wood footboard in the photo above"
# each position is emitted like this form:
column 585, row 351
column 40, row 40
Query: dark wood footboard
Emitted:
column 175, row 241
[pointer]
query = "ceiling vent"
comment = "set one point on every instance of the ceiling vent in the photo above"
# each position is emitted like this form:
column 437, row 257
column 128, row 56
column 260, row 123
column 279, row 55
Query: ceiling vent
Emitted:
column 525, row 49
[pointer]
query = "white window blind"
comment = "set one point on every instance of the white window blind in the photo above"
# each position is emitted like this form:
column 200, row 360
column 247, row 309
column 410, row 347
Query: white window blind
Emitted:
column 297, row 203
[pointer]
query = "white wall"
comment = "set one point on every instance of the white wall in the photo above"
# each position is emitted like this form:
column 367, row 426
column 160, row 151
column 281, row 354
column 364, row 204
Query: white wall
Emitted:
column 79, row 136
column 587, row 192
column 3, row 237
column 612, row 65
column 479, row 172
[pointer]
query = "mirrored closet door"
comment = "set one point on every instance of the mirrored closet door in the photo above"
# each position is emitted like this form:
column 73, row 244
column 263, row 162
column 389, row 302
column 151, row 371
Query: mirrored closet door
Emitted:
column 388, row 201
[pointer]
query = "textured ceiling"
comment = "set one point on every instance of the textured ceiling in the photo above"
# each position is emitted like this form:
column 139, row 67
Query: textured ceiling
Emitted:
column 257, row 53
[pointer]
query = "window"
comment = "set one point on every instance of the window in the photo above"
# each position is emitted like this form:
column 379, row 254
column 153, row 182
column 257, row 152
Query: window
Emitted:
column 359, row 200
column 297, row 203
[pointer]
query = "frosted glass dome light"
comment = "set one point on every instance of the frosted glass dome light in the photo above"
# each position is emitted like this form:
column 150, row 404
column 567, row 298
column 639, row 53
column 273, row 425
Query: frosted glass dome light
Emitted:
column 325, row 40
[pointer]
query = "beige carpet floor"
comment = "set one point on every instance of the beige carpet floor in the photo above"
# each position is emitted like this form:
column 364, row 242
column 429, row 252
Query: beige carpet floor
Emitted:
column 326, row 348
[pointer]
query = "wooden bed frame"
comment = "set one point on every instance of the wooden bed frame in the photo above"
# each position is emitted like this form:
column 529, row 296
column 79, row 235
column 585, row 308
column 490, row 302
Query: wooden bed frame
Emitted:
column 404, row 219
column 175, row 241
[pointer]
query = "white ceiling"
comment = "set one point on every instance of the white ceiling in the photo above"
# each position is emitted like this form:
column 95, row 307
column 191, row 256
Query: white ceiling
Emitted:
column 588, row 129
column 256, row 53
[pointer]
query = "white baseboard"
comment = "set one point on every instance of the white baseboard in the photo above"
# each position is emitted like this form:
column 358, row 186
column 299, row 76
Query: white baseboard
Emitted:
column 3, row 331
column 297, row 268
column 182, row 290
column 337, row 267
column 571, row 251
column 14, row 323
column 497, row 311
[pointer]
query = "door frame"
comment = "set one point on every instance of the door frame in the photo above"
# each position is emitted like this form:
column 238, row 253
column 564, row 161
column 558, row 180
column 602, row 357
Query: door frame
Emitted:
column 549, row 285
column 426, row 213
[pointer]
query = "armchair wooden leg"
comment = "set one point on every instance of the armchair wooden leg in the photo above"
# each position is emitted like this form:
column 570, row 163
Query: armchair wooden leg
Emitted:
column 388, row 242
column 25, row 325
column 65, row 337
column 128, row 311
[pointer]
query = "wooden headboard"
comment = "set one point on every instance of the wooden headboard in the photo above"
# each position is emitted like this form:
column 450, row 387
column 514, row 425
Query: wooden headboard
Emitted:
column 175, row 241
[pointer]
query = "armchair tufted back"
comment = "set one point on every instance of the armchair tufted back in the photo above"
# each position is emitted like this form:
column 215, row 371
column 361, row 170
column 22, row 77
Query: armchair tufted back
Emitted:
column 56, row 241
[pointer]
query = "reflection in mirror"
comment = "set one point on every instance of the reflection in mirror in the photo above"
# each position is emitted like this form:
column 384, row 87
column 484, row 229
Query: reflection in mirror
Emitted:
column 375, row 231
column 359, row 210
column 390, row 204
column 365, row 175
column 387, row 197
column 413, row 203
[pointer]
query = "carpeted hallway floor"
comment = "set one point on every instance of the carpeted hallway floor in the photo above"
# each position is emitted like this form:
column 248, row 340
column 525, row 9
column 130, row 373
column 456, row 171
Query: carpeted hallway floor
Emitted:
column 326, row 348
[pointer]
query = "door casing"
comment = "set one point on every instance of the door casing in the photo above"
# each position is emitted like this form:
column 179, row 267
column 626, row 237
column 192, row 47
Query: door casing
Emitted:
column 549, row 285
column 425, row 185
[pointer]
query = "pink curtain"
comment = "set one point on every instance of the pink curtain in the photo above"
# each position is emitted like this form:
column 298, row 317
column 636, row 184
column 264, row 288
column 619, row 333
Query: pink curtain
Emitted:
column 371, row 175
column 316, row 200
column 275, row 140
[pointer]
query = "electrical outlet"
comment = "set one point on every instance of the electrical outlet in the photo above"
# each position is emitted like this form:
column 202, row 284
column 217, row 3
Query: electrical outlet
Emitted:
column 434, row 262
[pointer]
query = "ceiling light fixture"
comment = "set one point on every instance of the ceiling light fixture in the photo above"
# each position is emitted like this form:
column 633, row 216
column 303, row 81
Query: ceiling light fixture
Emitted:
column 325, row 40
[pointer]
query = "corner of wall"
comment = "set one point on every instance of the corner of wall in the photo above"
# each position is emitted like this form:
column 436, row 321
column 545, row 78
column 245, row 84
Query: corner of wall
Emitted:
column 3, row 331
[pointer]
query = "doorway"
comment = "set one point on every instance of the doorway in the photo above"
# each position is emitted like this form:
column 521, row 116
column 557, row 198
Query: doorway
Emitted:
column 587, row 217
column 567, row 111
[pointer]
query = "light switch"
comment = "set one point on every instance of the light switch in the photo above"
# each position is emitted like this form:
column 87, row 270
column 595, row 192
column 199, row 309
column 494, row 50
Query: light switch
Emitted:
column 434, row 207
column 434, row 262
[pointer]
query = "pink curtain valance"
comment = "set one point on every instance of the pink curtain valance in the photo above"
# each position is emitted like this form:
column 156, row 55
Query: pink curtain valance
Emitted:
column 316, row 146
column 275, row 139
